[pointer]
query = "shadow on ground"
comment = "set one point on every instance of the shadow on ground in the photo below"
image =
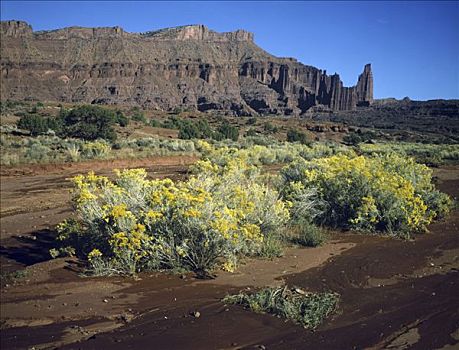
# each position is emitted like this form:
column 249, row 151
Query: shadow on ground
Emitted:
column 21, row 251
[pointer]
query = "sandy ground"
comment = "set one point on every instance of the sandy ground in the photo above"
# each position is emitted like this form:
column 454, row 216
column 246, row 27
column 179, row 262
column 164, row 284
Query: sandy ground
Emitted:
column 394, row 294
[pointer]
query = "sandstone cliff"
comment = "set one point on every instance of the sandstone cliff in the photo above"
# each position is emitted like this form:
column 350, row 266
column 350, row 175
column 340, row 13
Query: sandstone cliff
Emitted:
column 188, row 67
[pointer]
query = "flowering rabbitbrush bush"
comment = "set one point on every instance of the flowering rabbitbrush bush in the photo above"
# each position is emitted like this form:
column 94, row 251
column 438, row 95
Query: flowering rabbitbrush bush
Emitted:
column 269, row 154
column 386, row 193
column 432, row 154
column 131, row 224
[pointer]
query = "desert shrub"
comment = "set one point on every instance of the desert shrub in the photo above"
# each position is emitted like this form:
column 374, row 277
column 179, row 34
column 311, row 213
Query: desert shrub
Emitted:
column 306, row 309
column 385, row 193
column 431, row 154
column 188, row 131
column 95, row 149
column 172, row 122
column 36, row 107
column 13, row 277
column 262, row 151
column 251, row 132
column 177, row 145
column 325, row 149
column 272, row 247
column 10, row 105
column 194, row 130
column 214, row 218
column 154, row 146
column 270, row 128
column 200, row 129
column 251, row 121
column 352, row 139
column 204, row 128
column 308, row 234
column 89, row 123
column 226, row 131
column 121, row 119
column 73, row 151
column 261, row 140
column 297, row 136
column 38, row 125
column 155, row 123
column 37, row 153
column 139, row 117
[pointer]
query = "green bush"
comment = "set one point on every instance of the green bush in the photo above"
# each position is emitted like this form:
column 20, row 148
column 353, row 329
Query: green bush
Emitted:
column 270, row 128
column 251, row 132
column 38, row 125
column 95, row 149
column 121, row 119
column 156, row 123
column 89, row 123
column 139, row 117
column 226, row 131
column 204, row 128
column 352, row 139
column 306, row 309
column 188, row 131
column 194, row 130
column 172, row 122
column 297, row 136
column 308, row 234
column 9, row 105
column 273, row 246
column 38, row 153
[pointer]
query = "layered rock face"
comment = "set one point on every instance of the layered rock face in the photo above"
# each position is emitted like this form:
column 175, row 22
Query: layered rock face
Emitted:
column 188, row 67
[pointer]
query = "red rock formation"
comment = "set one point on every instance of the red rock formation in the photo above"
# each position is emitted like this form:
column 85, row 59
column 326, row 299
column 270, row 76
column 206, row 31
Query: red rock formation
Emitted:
column 364, row 88
column 189, row 67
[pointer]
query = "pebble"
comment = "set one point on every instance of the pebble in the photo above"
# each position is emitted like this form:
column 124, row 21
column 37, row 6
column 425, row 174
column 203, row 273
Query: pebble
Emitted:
column 105, row 301
column 300, row 291
column 196, row 314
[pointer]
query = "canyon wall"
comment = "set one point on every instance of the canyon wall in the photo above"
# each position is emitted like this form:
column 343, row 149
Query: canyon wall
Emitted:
column 187, row 67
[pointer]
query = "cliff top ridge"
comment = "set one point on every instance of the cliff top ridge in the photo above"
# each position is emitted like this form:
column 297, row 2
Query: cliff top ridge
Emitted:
column 14, row 28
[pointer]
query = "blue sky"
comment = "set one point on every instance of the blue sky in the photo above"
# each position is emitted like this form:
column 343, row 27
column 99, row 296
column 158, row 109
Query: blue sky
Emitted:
column 413, row 46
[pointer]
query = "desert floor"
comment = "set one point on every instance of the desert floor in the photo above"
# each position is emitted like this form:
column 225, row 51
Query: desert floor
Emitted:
column 394, row 294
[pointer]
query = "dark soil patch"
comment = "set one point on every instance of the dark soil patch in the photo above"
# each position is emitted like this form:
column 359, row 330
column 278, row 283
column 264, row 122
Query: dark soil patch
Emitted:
column 21, row 251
